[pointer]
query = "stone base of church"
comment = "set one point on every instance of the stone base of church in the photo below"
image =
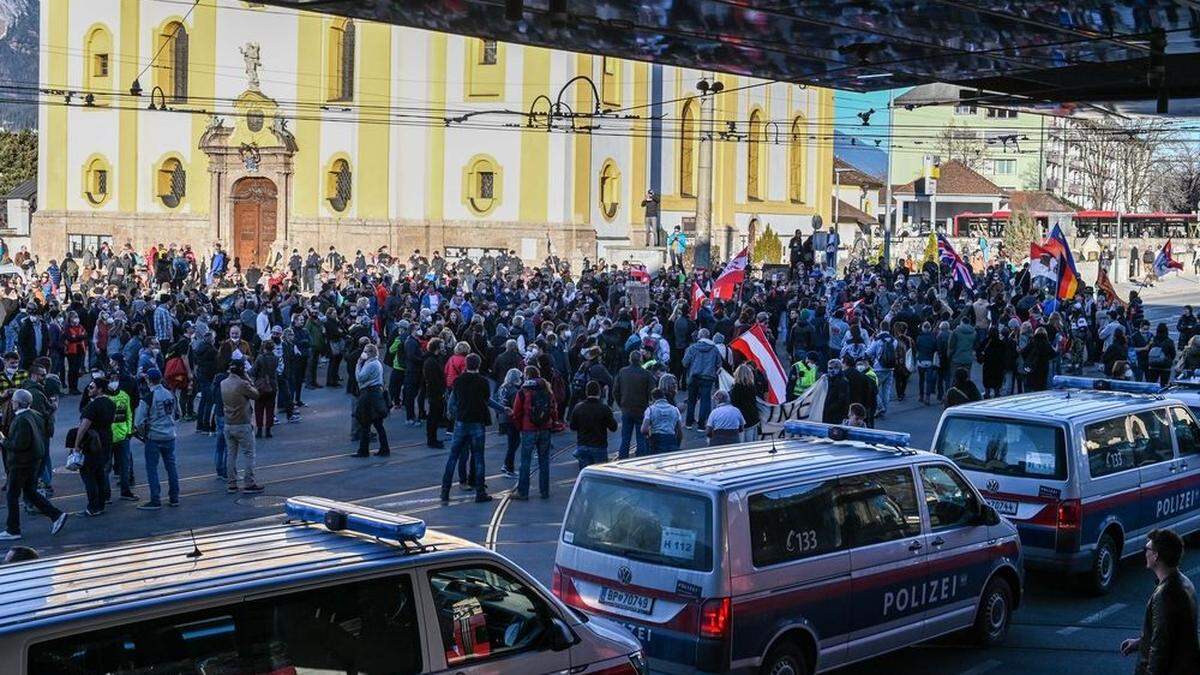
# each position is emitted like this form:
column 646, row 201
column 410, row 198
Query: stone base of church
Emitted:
column 50, row 231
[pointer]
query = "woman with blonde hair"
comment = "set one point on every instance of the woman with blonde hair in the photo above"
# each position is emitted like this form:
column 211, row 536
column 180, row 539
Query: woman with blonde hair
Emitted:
column 744, row 396
column 505, row 395
column 371, row 406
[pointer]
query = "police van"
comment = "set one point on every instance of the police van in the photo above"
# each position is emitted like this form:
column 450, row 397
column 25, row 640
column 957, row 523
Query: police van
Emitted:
column 1186, row 389
column 793, row 556
column 338, row 589
column 1085, row 470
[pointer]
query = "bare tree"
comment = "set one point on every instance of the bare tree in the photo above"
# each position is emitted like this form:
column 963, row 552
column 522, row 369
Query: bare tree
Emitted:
column 1139, row 166
column 1181, row 181
column 956, row 143
column 1120, row 163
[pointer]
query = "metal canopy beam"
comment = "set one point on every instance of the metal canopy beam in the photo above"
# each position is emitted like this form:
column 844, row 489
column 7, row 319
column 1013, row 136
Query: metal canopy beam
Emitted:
column 1048, row 51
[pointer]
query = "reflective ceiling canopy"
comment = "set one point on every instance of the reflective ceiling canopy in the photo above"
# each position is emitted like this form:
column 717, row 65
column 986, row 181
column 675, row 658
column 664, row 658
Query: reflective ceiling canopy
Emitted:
column 1083, row 50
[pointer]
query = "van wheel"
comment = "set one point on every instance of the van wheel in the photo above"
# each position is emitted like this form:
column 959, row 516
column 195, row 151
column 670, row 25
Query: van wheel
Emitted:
column 785, row 658
column 992, row 617
column 1103, row 575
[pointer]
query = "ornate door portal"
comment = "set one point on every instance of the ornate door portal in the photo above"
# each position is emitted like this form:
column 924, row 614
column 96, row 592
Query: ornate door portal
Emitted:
column 254, row 210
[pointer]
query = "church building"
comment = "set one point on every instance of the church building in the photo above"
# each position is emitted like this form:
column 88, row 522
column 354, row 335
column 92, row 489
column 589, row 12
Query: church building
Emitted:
column 265, row 129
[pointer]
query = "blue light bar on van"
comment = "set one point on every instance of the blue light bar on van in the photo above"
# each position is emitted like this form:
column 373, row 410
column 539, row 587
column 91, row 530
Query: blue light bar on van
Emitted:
column 1101, row 384
column 339, row 516
column 837, row 432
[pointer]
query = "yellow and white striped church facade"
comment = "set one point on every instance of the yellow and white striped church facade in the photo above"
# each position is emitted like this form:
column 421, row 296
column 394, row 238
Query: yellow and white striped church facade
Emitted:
column 264, row 128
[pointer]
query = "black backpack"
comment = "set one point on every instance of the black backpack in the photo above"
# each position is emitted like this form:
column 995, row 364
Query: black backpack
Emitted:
column 887, row 353
column 540, row 406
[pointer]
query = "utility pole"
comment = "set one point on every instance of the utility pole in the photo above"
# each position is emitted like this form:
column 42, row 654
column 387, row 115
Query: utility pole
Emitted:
column 888, row 224
column 704, row 174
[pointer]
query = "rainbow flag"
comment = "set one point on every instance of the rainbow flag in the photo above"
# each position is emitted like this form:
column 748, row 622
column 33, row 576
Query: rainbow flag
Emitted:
column 1068, row 275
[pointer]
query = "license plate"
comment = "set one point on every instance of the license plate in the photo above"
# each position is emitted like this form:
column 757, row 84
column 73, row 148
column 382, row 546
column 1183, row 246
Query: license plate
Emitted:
column 1003, row 506
column 633, row 602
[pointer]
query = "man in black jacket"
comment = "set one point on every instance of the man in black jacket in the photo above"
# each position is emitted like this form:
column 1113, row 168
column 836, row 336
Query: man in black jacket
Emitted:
column 24, row 450
column 837, row 396
column 434, row 376
column 592, row 420
column 471, row 418
column 632, row 393
column 1168, row 645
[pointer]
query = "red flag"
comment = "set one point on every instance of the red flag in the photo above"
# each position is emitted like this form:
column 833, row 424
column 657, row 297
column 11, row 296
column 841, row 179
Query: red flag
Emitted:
column 698, row 298
column 639, row 273
column 733, row 274
column 753, row 345
column 1105, row 286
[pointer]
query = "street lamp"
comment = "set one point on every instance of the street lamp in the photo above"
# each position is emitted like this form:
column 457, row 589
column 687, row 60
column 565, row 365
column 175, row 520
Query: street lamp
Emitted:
column 704, row 171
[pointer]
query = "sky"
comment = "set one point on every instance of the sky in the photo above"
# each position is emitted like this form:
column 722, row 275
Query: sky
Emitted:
column 847, row 105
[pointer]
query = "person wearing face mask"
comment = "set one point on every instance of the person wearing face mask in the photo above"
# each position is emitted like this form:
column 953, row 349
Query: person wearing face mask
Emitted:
column 234, row 343
column 150, row 357
column 13, row 376
column 862, row 387
column 33, row 339
column 75, row 349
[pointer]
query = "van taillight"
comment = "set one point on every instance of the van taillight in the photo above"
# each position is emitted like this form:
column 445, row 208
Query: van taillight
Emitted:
column 1069, row 515
column 563, row 588
column 714, row 618
column 1068, row 525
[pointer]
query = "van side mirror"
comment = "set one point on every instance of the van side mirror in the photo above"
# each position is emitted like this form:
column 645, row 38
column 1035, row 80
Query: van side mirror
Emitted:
column 561, row 635
column 988, row 515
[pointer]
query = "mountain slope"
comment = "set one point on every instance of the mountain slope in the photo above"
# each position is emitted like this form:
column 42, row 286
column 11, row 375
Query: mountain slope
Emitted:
column 18, row 61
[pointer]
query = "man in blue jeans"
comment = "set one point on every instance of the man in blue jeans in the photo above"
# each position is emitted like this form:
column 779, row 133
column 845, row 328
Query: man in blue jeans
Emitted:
column 702, row 359
column 632, row 394
column 155, row 417
column 471, row 401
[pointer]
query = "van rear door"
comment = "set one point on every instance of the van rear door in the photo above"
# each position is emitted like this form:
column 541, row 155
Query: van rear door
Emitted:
column 1020, row 467
column 643, row 554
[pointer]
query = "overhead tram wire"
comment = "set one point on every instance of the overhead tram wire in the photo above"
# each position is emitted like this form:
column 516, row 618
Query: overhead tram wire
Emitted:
column 816, row 141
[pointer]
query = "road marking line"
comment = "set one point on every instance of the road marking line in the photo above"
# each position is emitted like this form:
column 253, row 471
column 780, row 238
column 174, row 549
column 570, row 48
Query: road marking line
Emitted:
column 982, row 668
column 493, row 530
column 1093, row 618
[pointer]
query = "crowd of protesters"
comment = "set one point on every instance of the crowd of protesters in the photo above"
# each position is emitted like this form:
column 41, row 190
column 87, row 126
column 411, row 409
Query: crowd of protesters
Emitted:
column 154, row 340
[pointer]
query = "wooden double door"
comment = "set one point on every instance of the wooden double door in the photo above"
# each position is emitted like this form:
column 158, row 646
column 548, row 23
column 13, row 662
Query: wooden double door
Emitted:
column 255, row 205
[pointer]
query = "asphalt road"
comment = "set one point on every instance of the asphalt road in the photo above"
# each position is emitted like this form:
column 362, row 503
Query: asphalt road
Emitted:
column 1058, row 628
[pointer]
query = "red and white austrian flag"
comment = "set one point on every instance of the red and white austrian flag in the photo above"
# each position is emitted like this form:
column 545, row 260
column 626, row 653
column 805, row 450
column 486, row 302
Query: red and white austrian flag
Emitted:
column 754, row 346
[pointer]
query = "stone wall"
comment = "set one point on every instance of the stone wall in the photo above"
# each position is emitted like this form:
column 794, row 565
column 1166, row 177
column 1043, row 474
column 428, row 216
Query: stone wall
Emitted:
column 529, row 240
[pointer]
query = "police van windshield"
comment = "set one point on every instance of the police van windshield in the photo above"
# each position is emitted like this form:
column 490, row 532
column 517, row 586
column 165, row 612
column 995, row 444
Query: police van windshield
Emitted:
column 1003, row 447
column 641, row 521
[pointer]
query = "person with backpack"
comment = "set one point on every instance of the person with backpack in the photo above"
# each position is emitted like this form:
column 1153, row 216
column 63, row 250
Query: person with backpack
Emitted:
column 885, row 353
column 536, row 416
column 590, row 370
column 155, row 419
